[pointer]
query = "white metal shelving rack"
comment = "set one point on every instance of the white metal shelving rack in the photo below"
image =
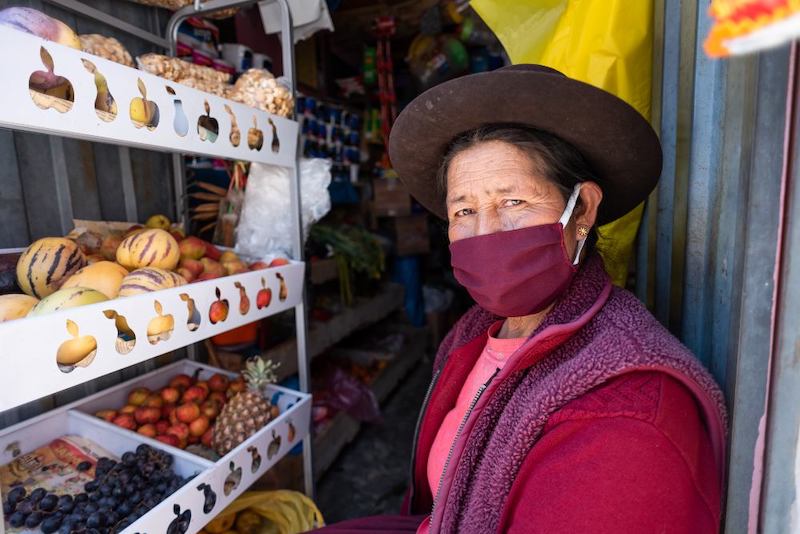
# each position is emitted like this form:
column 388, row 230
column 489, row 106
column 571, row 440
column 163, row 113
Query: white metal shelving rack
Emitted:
column 27, row 356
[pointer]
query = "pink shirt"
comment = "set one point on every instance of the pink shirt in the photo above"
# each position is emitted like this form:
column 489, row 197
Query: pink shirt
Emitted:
column 494, row 356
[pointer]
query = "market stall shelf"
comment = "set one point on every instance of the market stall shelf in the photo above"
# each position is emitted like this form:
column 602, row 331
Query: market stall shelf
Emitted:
column 51, row 88
column 213, row 485
column 195, row 312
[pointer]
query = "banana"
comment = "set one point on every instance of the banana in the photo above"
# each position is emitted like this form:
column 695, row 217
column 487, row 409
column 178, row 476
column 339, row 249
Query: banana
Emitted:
column 15, row 306
column 37, row 23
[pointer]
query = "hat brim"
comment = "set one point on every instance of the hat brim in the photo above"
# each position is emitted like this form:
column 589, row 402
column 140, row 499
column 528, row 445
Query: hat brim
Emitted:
column 617, row 142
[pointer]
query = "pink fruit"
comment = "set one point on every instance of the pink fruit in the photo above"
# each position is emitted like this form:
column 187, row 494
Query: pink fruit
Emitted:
column 188, row 412
column 181, row 382
column 192, row 248
column 138, row 396
column 146, row 415
column 148, row 430
column 218, row 382
column 107, row 415
column 195, row 394
column 169, row 439
column 170, row 395
column 199, row 426
column 125, row 420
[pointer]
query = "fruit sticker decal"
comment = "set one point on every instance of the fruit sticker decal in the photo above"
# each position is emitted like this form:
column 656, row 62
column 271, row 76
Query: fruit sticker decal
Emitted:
column 276, row 143
column 104, row 104
column 47, row 89
column 244, row 300
column 160, row 327
column 143, row 112
column 126, row 339
column 236, row 133
column 274, row 445
column 255, row 137
column 219, row 309
column 76, row 352
column 256, row 463
column 180, row 123
column 194, row 318
column 264, row 295
column 208, row 126
column 233, row 479
column 209, row 497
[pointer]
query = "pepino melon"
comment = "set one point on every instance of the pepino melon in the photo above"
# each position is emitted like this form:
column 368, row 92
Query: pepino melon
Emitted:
column 103, row 276
column 45, row 265
column 15, row 306
column 67, row 298
column 149, row 248
column 149, row 279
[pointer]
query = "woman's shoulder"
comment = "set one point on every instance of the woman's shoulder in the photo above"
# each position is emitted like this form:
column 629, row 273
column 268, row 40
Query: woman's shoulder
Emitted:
column 652, row 397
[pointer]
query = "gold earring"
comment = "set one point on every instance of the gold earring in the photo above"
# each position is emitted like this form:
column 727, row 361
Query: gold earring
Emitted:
column 583, row 231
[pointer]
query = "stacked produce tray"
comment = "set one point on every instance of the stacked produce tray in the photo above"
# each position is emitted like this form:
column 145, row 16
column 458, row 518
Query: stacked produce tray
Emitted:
column 214, row 484
column 36, row 340
column 184, row 120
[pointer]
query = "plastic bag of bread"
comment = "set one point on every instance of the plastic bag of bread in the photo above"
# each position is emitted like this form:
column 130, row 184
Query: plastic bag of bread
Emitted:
column 215, row 88
column 175, row 5
column 258, row 88
column 177, row 70
column 106, row 47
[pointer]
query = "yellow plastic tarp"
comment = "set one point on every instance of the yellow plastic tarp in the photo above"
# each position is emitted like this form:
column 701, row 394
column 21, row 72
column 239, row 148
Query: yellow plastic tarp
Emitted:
column 607, row 43
column 283, row 512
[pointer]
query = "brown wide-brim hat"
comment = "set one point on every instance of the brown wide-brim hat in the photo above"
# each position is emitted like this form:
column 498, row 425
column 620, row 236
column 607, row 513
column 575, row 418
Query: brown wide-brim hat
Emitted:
column 617, row 142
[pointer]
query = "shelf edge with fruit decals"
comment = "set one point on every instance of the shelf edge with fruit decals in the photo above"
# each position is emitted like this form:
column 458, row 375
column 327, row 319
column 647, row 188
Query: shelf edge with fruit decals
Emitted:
column 255, row 135
column 215, row 484
column 29, row 347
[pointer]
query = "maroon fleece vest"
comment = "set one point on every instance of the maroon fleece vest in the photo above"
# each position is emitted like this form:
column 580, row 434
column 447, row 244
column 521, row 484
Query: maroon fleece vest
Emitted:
column 593, row 334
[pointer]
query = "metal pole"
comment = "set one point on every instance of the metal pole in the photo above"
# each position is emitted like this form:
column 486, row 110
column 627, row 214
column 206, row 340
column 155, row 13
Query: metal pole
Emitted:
column 128, row 189
column 61, row 180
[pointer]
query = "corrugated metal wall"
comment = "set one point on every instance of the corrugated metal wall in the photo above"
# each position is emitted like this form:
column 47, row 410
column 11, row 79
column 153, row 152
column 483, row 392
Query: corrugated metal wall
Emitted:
column 707, row 249
column 35, row 169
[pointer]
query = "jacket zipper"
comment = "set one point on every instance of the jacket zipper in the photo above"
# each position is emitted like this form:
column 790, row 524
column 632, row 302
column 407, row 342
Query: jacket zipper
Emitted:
column 421, row 416
column 463, row 423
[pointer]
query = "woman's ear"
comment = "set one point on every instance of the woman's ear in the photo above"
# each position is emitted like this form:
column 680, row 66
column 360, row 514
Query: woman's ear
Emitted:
column 586, row 212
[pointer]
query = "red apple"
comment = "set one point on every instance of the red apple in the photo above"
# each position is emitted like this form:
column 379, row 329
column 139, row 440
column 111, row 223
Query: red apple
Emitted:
column 257, row 266
column 203, row 384
column 167, row 410
column 212, row 267
column 219, row 397
column 192, row 248
column 218, row 382
column 180, row 430
column 162, row 426
column 148, row 430
column 206, row 276
column 208, row 437
column 138, row 396
column 169, row 439
column 146, row 415
column 173, row 417
column 107, row 415
column 212, row 251
column 125, row 420
column 194, row 266
column 188, row 412
column 199, row 426
column 181, row 382
column 128, row 408
column 210, row 409
column 154, row 401
column 186, row 274
column 277, row 262
column 195, row 394
column 170, row 395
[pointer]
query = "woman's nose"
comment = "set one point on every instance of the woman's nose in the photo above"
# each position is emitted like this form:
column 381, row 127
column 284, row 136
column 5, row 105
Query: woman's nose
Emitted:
column 488, row 223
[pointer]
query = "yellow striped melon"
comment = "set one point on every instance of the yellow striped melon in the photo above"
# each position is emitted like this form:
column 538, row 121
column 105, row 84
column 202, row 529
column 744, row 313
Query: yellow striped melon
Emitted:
column 15, row 306
column 103, row 276
column 149, row 279
column 45, row 265
column 62, row 299
column 149, row 248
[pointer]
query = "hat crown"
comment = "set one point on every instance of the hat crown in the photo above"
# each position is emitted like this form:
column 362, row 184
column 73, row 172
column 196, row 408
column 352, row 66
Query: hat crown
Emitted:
column 530, row 67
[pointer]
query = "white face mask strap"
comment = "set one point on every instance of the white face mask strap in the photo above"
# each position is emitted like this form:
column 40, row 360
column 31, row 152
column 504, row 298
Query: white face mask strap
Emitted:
column 573, row 199
column 567, row 215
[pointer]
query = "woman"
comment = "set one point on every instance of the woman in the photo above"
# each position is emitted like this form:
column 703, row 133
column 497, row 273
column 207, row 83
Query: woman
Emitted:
column 558, row 403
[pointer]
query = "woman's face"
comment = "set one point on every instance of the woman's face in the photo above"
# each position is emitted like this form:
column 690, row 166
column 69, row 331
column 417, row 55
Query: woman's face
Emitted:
column 495, row 187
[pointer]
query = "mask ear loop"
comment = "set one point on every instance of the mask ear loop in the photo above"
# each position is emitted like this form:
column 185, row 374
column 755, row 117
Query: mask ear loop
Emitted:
column 567, row 215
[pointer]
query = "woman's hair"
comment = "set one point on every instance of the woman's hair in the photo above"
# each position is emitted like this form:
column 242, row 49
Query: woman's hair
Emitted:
column 556, row 159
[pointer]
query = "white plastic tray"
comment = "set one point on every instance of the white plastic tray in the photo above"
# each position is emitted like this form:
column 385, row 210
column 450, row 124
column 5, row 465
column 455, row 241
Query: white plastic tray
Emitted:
column 28, row 346
column 19, row 110
column 71, row 419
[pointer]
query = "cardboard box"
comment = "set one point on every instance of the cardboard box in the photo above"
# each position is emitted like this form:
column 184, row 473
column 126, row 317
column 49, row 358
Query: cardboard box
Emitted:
column 391, row 198
column 411, row 235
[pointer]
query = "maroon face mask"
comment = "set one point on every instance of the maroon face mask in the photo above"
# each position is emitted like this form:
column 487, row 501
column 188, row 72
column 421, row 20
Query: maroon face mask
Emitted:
column 518, row 272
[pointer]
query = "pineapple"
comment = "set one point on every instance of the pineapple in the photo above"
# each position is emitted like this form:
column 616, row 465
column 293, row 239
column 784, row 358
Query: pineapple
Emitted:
column 248, row 411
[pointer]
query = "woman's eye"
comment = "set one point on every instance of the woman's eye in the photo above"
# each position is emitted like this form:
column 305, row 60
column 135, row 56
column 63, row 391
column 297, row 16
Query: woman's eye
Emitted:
column 462, row 212
column 513, row 202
